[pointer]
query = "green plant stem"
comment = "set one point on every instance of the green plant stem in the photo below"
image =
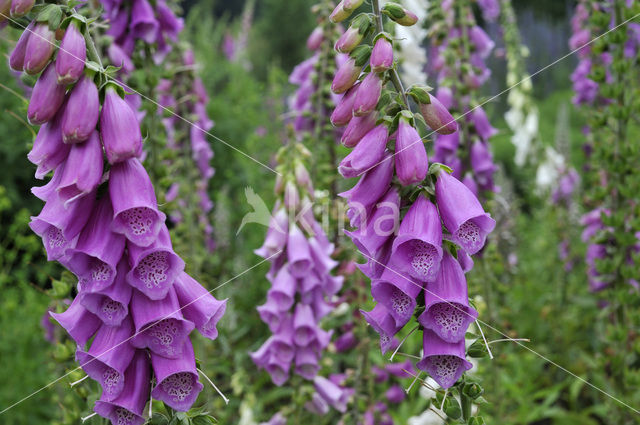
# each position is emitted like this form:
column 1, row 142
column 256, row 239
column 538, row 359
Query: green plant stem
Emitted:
column 393, row 72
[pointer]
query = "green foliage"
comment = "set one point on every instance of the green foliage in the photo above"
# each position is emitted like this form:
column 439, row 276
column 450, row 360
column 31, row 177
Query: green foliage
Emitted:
column 280, row 32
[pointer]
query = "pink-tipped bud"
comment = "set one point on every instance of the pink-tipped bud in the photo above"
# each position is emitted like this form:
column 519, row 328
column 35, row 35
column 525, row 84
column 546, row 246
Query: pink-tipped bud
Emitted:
column 339, row 14
column 348, row 40
column 349, row 71
column 19, row 8
column 40, row 47
column 352, row 37
column 71, row 56
column 346, row 76
column 381, row 55
column 16, row 60
column 399, row 14
column 343, row 111
column 302, row 175
column 119, row 128
column 437, row 117
column 46, row 98
column 291, row 196
column 315, row 39
column 351, row 5
column 368, row 95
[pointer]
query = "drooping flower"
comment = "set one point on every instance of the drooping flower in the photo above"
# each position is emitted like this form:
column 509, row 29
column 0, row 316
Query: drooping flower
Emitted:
column 71, row 56
column 119, row 128
column 447, row 311
column 462, row 214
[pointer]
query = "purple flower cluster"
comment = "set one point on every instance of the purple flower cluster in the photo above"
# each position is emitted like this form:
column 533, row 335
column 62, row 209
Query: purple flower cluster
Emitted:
column 585, row 88
column 134, row 302
column 301, row 282
column 592, row 222
column 388, row 376
column 466, row 151
column 195, row 107
column 305, row 76
column 567, row 183
column 490, row 9
column 409, row 263
column 130, row 21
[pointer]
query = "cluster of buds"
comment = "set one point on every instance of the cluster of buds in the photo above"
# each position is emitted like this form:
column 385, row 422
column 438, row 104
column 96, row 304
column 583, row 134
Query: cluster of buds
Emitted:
column 459, row 52
column 300, row 276
column 417, row 262
column 101, row 221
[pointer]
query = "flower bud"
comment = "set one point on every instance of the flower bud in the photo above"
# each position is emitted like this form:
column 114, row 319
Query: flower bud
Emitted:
column 302, row 175
column 71, row 56
column 315, row 39
column 346, row 76
column 291, row 196
column 48, row 149
column 349, row 71
column 16, row 60
column 368, row 95
column 399, row 14
column 46, row 98
column 351, row 5
column 343, row 111
column 120, row 129
column 20, row 8
column 411, row 155
column 437, row 117
column 357, row 128
column 339, row 14
column 82, row 171
column 358, row 29
column 367, row 153
column 381, row 55
column 39, row 48
column 81, row 112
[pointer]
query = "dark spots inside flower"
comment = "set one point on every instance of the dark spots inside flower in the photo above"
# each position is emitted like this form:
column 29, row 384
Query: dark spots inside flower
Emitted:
column 139, row 220
column 178, row 386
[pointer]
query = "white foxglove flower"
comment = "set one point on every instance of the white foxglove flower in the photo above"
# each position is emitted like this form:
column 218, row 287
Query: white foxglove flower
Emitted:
column 412, row 54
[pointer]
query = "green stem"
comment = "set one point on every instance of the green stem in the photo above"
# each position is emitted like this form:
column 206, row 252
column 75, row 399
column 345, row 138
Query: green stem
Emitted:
column 395, row 77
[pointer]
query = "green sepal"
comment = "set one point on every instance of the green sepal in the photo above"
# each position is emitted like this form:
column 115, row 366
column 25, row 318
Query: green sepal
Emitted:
column 478, row 349
column 436, row 167
column 51, row 13
column 381, row 35
column 472, row 390
column 420, row 94
column 451, row 408
column 361, row 54
column 393, row 10
column 363, row 23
